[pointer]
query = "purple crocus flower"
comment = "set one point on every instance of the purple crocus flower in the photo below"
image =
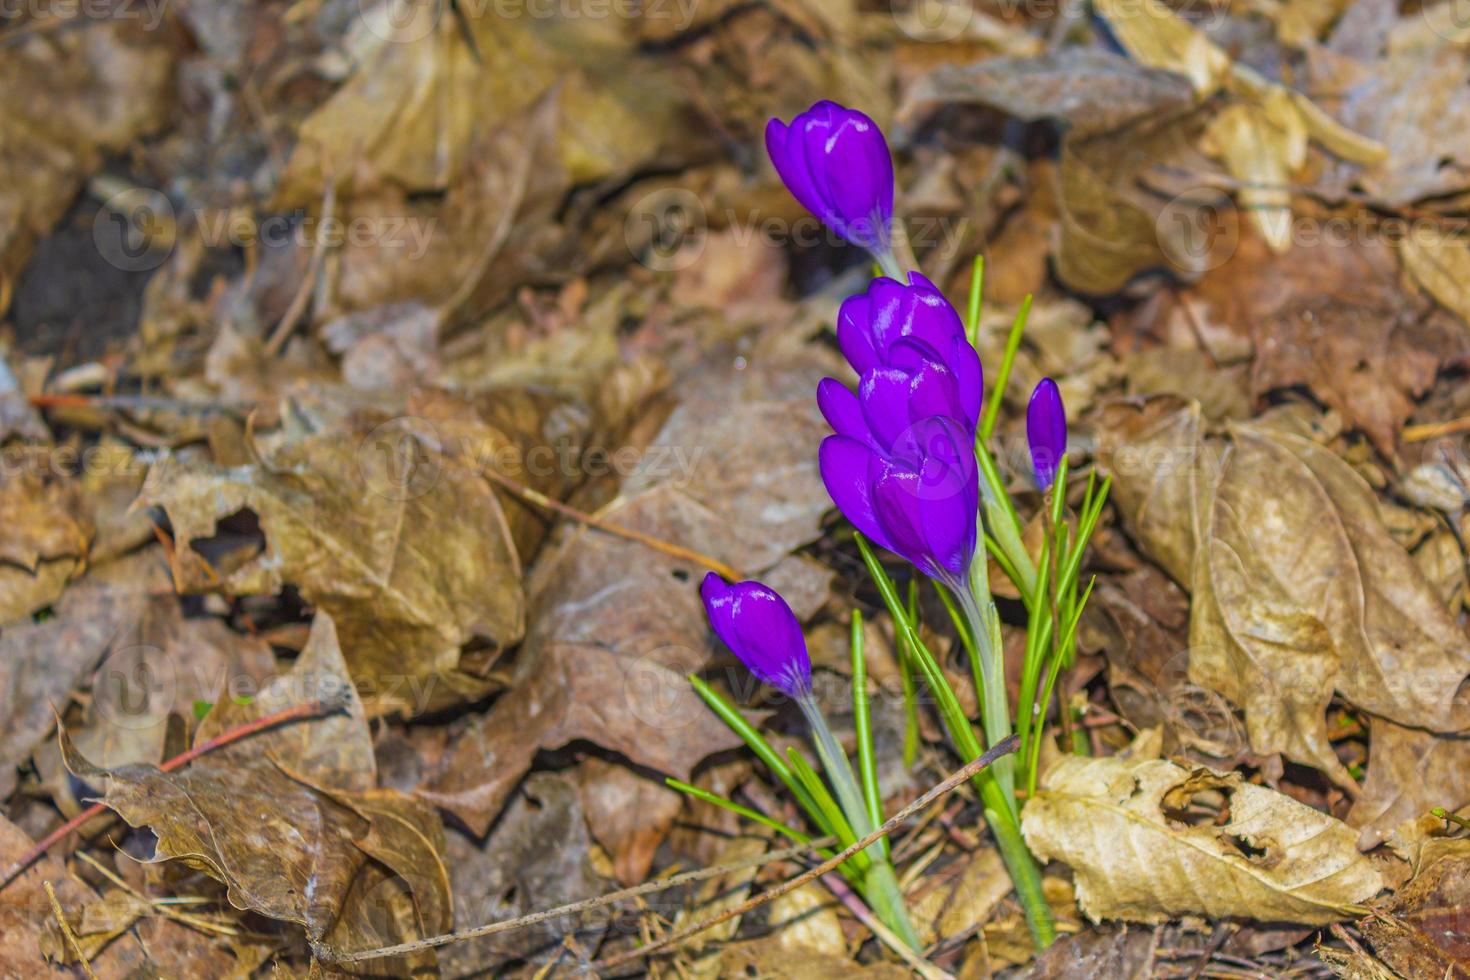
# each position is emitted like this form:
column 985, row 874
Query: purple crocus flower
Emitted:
column 1046, row 431
column 758, row 625
column 909, row 336
column 915, row 495
column 835, row 161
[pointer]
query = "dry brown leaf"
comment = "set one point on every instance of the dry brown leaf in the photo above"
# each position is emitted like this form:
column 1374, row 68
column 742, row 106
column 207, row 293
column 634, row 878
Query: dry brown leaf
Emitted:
column 1124, row 954
column 1155, row 35
column 289, row 819
column 537, row 857
column 405, row 546
column 730, row 473
column 28, row 932
column 1114, row 820
column 75, row 94
column 40, row 663
column 1422, row 930
column 421, row 96
column 1441, row 265
column 1263, row 144
column 1410, row 771
column 628, row 813
column 1298, row 593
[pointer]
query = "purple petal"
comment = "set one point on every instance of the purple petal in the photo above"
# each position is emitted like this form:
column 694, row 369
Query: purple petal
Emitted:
column 848, row 469
column 1046, row 431
column 930, row 516
column 836, row 163
column 842, row 410
column 936, row 388
column 786, row 150
column 855, row 335
column 759, row 628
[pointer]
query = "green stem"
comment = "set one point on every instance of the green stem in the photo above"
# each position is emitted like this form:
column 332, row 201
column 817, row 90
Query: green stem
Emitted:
column 1000, row 808
column 882, row 892
column 1004, row 524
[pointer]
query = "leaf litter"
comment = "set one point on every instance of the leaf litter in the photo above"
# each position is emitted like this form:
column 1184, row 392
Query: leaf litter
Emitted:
column 322, row 324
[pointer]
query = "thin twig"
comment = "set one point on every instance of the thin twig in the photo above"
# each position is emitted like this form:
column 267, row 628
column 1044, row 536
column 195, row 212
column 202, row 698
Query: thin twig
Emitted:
column 648, row 540
column 960, row 776
column 1429, row 430
column 297, row 712
column 586, row 905
column 308, row 283
column 71, row 937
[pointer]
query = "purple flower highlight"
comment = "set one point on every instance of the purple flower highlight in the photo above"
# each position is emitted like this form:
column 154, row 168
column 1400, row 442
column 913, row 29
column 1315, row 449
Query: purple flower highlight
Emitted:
column 915, row 495
column 760, row 628
column 909, row 336
column 1046, row 432
column 835, row 161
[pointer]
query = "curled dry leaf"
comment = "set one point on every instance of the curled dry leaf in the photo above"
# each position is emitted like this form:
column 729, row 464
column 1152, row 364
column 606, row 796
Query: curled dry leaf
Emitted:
column 405, row 546
column 1298, row 593
column 1122, row 826
column 289, row 819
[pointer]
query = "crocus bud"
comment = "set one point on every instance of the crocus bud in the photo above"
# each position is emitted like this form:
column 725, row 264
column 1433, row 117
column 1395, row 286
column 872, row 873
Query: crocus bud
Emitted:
column 760, row 628
column 917, row 498
column 835, row 161
column 1046, row 432
column 901, row 329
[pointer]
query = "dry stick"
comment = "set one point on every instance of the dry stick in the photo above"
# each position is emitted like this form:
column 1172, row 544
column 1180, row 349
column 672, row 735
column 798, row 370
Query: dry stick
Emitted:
column 1429, row 430
column 648, row 540
column 71, row 937
column 799, row 850
column 283, row 330
column 586, row 905
column 1003, row 747
column 297, row 712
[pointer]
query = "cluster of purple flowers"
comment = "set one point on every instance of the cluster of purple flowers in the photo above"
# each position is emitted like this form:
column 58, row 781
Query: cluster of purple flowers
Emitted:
column 901, row 463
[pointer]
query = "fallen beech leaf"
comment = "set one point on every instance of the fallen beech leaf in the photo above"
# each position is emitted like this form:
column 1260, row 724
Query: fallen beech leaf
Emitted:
column 1116, row 822
column 1422, row 930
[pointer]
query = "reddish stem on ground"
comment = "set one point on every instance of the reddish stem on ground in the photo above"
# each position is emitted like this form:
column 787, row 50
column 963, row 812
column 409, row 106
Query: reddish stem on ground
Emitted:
column 297, row 712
